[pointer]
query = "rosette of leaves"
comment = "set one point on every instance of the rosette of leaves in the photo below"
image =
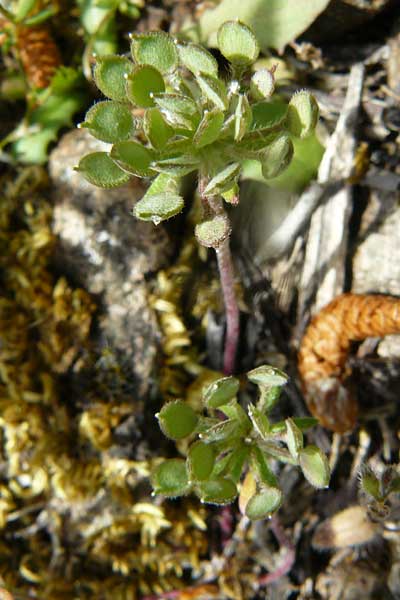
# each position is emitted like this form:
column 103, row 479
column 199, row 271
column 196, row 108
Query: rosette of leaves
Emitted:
column 169, row 113
column 228, row 441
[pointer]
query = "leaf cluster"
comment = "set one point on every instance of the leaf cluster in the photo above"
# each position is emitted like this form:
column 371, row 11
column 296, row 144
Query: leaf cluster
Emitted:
column 170, row 113
column 226, row 441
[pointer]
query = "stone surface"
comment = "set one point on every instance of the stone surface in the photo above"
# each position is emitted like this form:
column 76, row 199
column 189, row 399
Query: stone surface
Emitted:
column 103, row 248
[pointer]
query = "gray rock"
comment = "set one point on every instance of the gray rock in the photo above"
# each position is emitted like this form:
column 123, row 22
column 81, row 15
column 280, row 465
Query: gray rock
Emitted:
column 103, row 248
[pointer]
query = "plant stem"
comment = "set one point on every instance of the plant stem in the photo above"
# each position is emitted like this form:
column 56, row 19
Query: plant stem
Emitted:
column 225, row 268
column 214, row 205
column 288, row 559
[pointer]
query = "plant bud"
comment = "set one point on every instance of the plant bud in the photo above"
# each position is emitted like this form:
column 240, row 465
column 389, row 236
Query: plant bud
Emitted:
column 277, row 156
column 213, row 232
column 262, row 84
column 302, row 115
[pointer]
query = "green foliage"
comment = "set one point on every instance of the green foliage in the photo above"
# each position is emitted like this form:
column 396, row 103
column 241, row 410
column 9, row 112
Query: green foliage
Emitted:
column 98, row 19
column 378, row 488
column 194, row 120
column 47, row 112
column 275, row 22
column 221, row 448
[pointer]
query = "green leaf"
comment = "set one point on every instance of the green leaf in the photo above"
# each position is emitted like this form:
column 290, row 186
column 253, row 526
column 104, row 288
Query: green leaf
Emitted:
column 158, row 207
column 177, row 419
column 259, row 420
column 294, row 438
column 274, row 22
column 23, row 9
column 99, row 169
column 177, row 166
column 262, row 84
column 268, row 115
column 142, row 84
column 157, row 131
column 243, row 116
column 214, row 91
column 369, row 483
column 157, row 49
column 212, row 232
column 133, row 157
column 217, row 491
column 303, row 423
column 223, row 180
column 302, row 115
column 197, row 59
column 303, row 168
column 261, row 466
column 237, row 43
column 209, row 128
column 110, row 75
column 232, row 194
column 315, row 466
column 266, row 376
column 224, row 430
column 40, row 17
column 200, row 460
column 170, row 478
column 277, row 156
column 43, row 124
column 161, row 201
column 236, row 462
column 163, row 183
column 178, row 110
column 220, row 392
column 109, row 121
column 264, row 503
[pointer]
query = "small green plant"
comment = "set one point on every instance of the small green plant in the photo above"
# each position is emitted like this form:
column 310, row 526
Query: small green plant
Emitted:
column 377, row 489
column 170, row 113
column 227, row 441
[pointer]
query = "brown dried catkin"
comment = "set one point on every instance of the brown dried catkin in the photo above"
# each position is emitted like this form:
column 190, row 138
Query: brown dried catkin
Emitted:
column 38, row 54
column 325, row 347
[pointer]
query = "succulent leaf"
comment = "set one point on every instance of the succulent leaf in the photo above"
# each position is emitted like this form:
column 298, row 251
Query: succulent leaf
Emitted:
column 223, row 180
column 237, row 43
column 200, row 460
column 157, row 49
column 217, row 491
column 276, row 157
column 177, row 419
column 214, row 91
column 302, row 114
column 109, row 121
column 294, row 438
column 264, row 503
column 157, row 131
column 133, row 157
column 110, row 73
column 209, row 128
column 220, row 392
column 197, row 59
column 99, row 169
column 170, row 478
column 315, row 466
column 142, row 84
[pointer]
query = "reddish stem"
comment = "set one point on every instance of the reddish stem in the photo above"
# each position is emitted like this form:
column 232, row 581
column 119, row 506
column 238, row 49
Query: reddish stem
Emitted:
column 225, row 267
column 288, row 560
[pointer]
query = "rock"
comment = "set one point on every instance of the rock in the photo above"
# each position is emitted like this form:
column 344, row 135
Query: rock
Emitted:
column 104, row 249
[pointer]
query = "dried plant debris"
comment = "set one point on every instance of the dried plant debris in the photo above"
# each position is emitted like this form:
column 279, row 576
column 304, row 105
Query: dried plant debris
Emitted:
column 76, row 516
column 325, row 348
